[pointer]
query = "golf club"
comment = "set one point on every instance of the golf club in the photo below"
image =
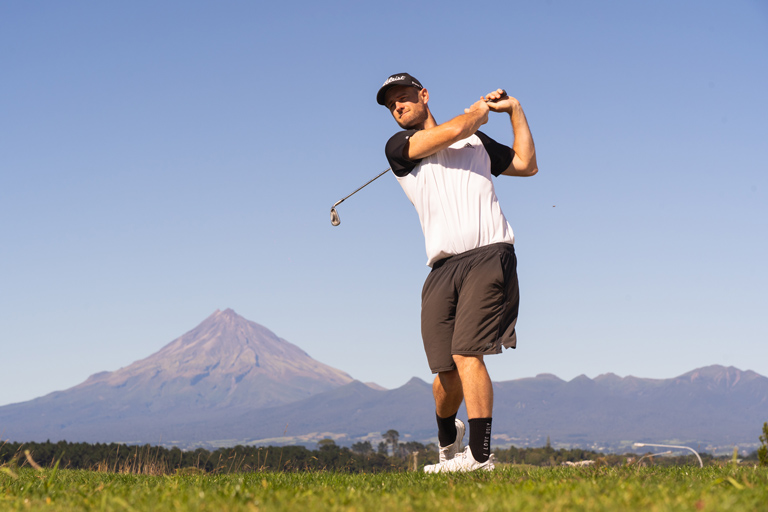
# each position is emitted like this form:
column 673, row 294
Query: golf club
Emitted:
column 335, row 220
column 335, row 215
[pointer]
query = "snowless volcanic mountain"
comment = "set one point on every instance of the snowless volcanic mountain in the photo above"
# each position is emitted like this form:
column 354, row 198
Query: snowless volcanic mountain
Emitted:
column 224, row 366
column 225, row 361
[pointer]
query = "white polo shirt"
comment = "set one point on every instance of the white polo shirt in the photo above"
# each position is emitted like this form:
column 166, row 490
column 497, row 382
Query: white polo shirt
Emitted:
column 453, row 193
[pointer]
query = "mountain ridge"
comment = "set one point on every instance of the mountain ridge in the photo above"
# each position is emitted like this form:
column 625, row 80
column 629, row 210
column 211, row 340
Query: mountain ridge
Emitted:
column 528, row 411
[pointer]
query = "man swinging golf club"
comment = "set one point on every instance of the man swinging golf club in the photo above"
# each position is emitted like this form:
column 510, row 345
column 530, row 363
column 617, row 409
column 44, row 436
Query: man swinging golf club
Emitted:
column 470, row 297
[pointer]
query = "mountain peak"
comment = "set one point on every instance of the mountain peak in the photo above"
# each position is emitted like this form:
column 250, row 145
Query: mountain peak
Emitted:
column 228, row 315
column 226, row 359
column 719, row 375
column 548, row 376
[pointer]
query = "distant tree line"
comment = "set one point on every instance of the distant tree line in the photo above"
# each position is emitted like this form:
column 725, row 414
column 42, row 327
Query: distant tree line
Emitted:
column 389, row 455
column 161, row 460
column 361, row 457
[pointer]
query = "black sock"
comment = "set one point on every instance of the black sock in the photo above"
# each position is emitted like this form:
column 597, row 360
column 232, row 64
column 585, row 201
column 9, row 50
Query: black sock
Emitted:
column 446, row 430
column 480, row 438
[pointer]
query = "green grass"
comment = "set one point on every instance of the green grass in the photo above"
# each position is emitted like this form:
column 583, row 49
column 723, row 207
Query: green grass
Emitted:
column 509, row 488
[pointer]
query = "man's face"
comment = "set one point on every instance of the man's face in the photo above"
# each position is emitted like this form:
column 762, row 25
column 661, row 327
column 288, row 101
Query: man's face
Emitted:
column 407, row 106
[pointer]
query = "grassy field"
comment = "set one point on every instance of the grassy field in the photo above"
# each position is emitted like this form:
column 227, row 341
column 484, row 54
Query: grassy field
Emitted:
column 509, row 488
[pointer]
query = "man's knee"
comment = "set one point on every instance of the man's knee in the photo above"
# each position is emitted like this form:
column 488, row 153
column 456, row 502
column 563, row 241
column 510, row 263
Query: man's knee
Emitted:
column 450, row 381
column 468, row 363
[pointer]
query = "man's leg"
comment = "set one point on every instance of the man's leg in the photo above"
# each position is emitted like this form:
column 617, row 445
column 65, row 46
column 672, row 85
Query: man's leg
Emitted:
column 476, row 385
column 448, row 393
column 478, row 397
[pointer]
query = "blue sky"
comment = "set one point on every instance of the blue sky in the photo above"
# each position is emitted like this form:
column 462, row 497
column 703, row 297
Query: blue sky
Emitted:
column 161, row 160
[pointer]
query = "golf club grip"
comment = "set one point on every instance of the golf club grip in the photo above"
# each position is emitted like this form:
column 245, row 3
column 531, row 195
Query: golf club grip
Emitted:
column 503, row 94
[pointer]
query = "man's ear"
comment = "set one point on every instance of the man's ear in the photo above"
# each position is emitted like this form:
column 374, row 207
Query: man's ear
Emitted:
column 424, row 95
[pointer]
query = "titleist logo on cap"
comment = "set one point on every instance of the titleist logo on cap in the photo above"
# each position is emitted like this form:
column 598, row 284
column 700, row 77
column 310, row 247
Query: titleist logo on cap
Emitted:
column 393, row 79
column 398, row 78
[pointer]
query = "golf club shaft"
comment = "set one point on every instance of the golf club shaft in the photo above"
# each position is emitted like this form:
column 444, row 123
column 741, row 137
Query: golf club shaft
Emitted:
column 359, row 189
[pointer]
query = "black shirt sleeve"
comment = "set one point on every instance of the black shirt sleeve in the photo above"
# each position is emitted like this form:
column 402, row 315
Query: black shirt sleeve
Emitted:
column 400, row 165
column 501, row 155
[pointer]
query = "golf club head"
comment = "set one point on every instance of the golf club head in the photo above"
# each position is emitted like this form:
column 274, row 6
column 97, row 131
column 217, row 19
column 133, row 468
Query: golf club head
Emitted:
column 335, row 220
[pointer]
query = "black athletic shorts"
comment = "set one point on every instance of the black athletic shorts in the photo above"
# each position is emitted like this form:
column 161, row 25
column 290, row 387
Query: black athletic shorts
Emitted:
column 469, row 305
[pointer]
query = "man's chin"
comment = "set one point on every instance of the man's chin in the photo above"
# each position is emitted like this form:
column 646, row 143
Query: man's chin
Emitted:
column 408, row 125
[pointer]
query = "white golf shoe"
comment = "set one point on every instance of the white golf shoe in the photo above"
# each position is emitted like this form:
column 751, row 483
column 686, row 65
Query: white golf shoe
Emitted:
column 450, row 451
column 463, row 462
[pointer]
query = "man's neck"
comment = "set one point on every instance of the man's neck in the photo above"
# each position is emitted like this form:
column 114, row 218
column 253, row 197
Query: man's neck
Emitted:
column 430, row 121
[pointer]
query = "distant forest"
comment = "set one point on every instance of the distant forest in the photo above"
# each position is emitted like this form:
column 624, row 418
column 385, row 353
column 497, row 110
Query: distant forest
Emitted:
column 390, row 456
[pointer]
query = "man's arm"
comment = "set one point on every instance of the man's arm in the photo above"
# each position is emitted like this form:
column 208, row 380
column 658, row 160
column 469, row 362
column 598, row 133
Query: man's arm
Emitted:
column 523, row 149
column 429, row 141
